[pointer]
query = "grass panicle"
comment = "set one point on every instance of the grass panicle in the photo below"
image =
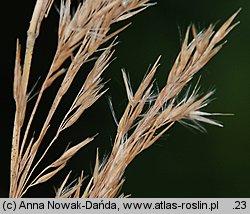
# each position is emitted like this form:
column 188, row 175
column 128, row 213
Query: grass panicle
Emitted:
column 147, row 116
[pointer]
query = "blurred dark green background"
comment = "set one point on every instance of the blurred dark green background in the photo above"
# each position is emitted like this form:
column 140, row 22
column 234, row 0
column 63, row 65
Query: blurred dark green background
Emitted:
column 183, row 163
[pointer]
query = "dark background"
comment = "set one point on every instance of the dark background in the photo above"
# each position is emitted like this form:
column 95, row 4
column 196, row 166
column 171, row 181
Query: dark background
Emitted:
column 183, row 163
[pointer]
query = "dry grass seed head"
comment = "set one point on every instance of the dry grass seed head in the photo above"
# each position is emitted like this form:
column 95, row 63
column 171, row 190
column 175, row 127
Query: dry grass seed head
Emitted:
column 83, row 33
column 192, row 57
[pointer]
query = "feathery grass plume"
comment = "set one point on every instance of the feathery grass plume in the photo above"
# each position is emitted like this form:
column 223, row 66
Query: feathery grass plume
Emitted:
column 139, row 128
column 80, row 35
